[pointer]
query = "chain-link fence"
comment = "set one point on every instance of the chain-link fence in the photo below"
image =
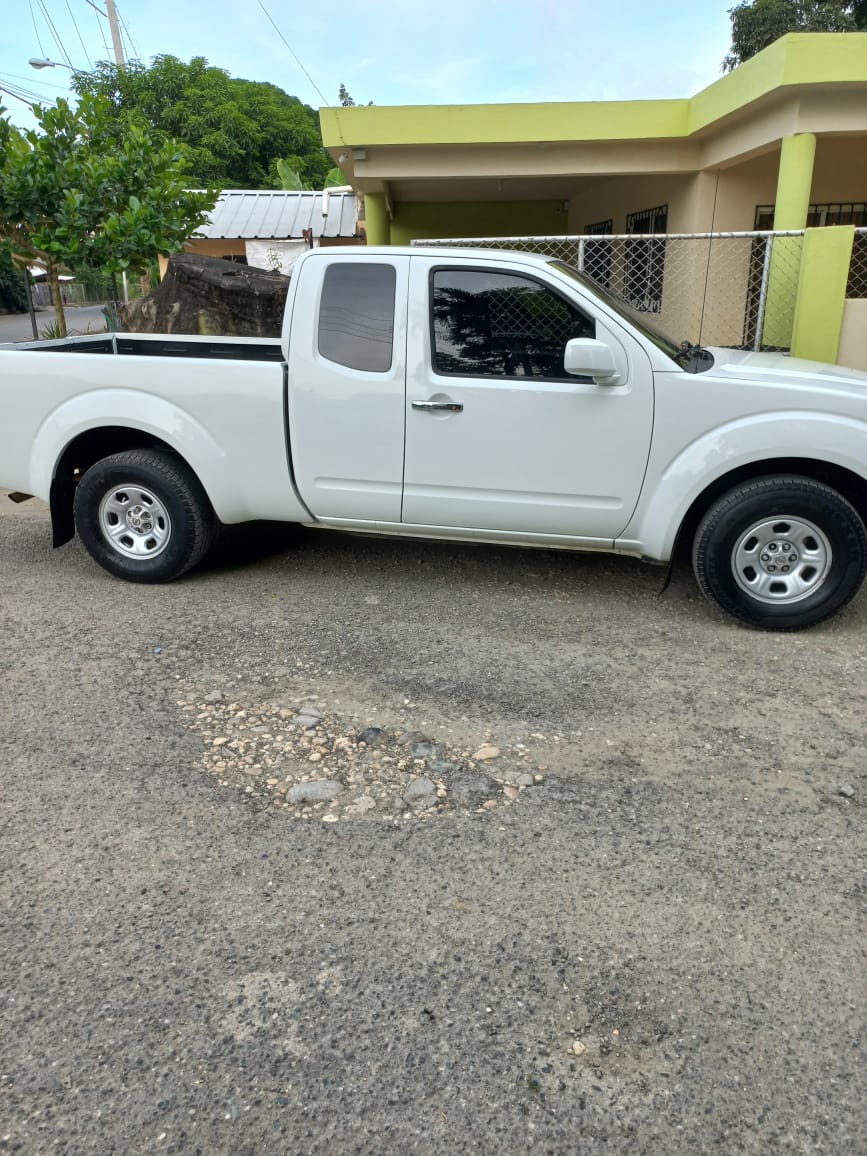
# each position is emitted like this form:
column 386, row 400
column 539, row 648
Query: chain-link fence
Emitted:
column 95, row 289
column 732, row 289
column 857, row 285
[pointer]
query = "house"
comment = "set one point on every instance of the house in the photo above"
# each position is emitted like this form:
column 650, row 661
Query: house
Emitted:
column 780, row 142
column 269, row 228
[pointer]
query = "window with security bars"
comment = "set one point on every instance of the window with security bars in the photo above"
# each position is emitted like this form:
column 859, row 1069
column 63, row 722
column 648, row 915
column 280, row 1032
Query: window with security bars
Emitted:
column 597, row 254
column 832, row 213
column 488, row 324
column 645, row 259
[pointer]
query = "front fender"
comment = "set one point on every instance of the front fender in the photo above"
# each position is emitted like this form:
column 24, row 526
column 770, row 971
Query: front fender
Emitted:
column 755, row 441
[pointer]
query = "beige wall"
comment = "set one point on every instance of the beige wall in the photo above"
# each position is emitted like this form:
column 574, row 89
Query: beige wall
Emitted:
column 853, row 337
column 617, row 197
column 840, row 170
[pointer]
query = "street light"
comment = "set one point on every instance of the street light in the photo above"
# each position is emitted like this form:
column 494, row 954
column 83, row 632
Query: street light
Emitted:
column 38, row 62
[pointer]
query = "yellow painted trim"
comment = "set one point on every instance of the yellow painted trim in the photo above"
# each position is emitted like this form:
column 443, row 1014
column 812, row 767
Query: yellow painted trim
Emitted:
column 818, row 320
column 797, row 59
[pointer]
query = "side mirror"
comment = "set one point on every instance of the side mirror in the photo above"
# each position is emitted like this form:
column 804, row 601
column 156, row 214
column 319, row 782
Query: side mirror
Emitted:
column 587, row 357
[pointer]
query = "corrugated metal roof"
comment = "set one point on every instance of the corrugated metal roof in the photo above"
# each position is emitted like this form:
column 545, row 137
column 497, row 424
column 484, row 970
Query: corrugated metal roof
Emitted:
column 274, row 214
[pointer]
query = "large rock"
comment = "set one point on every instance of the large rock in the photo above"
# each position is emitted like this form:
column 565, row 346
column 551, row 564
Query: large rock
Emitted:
column 209, row 296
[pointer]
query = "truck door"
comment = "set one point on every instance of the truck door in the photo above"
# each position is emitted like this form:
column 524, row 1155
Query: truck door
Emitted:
column 498, row 436
column 347, row 384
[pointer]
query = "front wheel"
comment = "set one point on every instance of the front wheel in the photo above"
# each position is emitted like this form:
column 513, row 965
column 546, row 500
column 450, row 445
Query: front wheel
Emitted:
column 143, row 516
column 780, row 553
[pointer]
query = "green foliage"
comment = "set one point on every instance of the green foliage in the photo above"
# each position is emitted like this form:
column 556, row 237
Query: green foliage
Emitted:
column 235, row 130
column 90, row 189
column 53, row 330
column 290, row 178
column 758, row 23
column 12, row 294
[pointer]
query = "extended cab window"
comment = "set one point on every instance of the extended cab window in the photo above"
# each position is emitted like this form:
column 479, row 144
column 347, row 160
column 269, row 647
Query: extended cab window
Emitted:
column 356, row 316
column 501, row 325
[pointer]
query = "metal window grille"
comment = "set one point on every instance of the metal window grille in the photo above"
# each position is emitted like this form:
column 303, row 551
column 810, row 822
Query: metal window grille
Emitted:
column 830, row 213
column 857, row 284
column 733, row 289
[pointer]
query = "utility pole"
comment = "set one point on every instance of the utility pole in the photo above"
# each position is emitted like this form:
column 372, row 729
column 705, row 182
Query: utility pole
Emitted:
column 116, row 42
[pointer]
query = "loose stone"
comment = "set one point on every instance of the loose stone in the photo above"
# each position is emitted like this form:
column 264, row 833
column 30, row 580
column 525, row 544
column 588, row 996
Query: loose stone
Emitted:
column 370, row 735
column 316, row 791
column 486, row 751
column 526, row 780
column 421, row 793
column 426, row 750
column 847, row 791
column 362, row 803
column 469, row 789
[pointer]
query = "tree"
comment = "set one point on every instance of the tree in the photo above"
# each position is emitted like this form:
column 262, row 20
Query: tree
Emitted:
column 236, row 130
column 759, row 23
column 12, row 294
column 88, row 193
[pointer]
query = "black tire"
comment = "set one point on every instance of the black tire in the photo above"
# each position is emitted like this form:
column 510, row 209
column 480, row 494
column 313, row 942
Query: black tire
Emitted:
column 143, row 516
column 740, row 563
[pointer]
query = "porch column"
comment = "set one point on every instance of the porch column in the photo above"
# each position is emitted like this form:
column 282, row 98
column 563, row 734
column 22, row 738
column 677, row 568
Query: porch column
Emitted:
column 376, row 221
column 794, row 185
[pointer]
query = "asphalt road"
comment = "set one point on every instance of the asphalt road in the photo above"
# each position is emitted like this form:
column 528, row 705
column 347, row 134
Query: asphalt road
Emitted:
column 79, row 319
column 186, row 968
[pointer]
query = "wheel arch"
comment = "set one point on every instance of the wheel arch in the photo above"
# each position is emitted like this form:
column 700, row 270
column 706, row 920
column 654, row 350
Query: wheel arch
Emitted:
column 83, row 451
column 846, row 482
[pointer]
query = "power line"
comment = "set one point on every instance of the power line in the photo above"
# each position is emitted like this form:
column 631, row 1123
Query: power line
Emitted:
column 55, row 33
column 101, row 27
column 36, row 30
column 289, row 46
column 78, row 33
column 22, row 94
column 130, row 41
column 38, row 83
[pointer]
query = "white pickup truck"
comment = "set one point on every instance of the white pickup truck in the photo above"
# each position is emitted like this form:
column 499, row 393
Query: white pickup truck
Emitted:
column 469, row 395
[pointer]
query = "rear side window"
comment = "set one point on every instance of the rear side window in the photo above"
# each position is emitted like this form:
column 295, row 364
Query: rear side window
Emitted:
column 356, row 316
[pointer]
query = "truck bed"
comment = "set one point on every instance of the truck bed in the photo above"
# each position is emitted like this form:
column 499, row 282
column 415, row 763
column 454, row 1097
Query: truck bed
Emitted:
column 162, row 345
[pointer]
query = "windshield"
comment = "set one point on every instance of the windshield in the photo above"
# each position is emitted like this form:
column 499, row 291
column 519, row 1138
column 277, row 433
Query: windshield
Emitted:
column 690, row 357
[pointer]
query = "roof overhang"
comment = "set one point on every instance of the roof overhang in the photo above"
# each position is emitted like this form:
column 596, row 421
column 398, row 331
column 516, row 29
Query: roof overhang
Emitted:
column 805, row 82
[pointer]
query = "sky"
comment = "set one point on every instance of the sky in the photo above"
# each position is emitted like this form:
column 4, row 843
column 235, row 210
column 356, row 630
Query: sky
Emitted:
column 436, row 52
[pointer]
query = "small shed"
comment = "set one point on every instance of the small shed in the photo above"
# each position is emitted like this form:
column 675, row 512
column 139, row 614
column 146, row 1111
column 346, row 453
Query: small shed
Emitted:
column 270, row 228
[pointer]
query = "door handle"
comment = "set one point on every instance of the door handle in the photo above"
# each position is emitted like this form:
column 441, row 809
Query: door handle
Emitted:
column 449, row 406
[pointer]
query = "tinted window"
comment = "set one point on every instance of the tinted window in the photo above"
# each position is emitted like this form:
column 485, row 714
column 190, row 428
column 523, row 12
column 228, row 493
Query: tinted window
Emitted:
column 501, row 325
column 356, row 316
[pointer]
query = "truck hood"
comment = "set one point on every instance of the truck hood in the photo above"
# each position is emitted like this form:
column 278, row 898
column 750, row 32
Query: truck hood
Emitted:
column 778, row 368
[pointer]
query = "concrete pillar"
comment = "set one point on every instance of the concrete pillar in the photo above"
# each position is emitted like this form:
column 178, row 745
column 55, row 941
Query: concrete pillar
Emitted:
column 818, row 319
column 794, row 185
column 376, row 221
column 795, row 181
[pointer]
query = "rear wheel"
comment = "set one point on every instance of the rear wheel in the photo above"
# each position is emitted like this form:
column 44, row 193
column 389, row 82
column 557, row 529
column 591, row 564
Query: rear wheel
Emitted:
column 780, row 553
column 143, row 516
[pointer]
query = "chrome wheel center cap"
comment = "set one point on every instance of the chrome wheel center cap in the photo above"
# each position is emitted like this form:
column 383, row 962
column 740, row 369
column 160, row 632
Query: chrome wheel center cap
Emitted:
column 779, row 557
column 139, row 518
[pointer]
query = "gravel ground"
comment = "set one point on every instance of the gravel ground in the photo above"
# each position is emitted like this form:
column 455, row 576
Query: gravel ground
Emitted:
column 350, row 846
